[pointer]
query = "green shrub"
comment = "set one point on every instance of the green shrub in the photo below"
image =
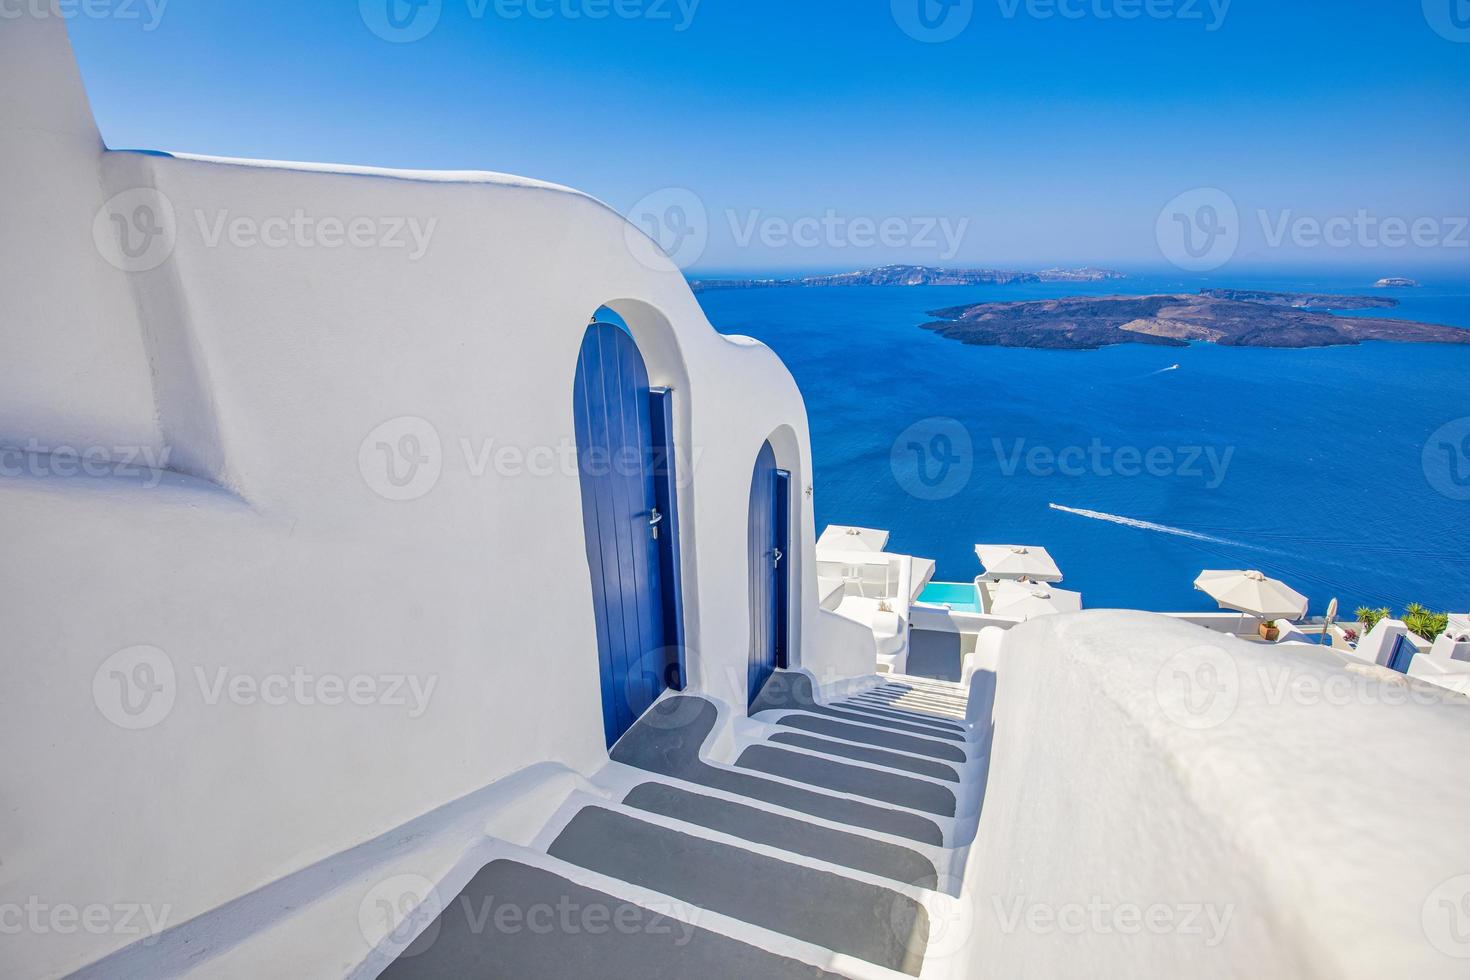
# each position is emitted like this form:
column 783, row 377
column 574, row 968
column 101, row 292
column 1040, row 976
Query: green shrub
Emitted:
column 1372, row 617
column 1420, row 621
column 1424, row 623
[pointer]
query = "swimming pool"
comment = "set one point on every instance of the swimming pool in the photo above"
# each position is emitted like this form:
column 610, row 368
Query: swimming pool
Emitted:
column 959, row 596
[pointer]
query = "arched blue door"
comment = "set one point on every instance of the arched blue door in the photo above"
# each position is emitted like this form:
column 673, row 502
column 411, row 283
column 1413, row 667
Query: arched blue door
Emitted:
column 769, row 540
column 630, row 524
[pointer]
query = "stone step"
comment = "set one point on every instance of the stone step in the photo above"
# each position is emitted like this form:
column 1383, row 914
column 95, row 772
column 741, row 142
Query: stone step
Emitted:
column 910, row 711
column 846, row 915
column 907, row 717
column 956, row 695
column 876, row 857
column 667, row 740
column 872, row 716
column 874, row 784
column 957, row 704
column 517, row 921
column 874, row 736
column 862, row 753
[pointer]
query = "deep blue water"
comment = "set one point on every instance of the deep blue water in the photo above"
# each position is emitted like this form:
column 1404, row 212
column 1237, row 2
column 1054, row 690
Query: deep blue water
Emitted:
column 1326, row 484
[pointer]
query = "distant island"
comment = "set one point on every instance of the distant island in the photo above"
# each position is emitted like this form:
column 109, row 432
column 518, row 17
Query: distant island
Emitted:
column 914, row 275
column 1231, row 318
column 1303, row 301
column 1396, row 284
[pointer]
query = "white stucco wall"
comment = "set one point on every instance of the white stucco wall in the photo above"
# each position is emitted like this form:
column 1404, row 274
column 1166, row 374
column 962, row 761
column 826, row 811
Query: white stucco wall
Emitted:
column 268, row 551
column 73, row 369
column 1278, row 812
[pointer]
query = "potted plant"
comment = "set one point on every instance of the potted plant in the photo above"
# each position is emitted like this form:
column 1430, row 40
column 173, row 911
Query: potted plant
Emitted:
column 1269, row 632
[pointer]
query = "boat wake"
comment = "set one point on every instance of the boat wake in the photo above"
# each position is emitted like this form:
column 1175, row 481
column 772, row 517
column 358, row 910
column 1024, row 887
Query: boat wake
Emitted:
column 1147, row 526
column 1155, row 374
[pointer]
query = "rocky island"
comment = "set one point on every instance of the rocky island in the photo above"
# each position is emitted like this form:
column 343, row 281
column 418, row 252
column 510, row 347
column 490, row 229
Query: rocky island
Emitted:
column 1395, row 283
column 914, row 275
column 1226, row 317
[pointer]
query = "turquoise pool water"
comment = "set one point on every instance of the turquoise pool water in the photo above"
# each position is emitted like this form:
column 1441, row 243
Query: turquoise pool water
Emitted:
column 959, row 596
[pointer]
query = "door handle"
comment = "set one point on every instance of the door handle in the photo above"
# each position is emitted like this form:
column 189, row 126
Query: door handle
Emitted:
column 776, row 556
column 654, row 520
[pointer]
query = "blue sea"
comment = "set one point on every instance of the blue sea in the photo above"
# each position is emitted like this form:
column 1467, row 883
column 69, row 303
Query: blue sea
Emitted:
column 1310, row 465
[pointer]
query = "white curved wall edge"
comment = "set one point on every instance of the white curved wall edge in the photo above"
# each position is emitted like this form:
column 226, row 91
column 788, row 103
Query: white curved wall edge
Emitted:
column 929, row 616
column 429, row 176
column 1292, row 805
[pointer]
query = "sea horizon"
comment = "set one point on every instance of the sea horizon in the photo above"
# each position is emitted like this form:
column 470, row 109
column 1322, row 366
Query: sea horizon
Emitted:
column 1366, row 274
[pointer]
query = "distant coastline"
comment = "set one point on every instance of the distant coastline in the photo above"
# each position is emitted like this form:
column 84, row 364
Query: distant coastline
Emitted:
column 913, row 275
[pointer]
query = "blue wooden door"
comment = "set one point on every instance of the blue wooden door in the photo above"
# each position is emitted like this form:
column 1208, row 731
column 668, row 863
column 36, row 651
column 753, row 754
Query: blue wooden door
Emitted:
column 1403, row 654
column 624, row 526
column 781, row 518
column 769, row 545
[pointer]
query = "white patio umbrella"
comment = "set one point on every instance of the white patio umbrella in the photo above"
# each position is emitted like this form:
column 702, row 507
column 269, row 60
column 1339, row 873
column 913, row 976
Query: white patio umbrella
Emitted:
column 1020, row 600
column 1252, row 593
column 1014, row 561
column 1327, row 622
column 840, row 537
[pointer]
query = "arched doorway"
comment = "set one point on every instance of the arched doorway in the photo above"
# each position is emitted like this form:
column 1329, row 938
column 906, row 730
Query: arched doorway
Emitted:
column 630, row 520
column 769, row 556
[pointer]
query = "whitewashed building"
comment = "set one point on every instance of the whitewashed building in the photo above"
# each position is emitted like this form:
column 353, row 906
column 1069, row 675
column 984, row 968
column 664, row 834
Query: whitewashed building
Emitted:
column 367, row 612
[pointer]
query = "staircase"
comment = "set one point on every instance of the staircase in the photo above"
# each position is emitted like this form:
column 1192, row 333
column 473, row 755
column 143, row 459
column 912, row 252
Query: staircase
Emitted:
column 832, row 844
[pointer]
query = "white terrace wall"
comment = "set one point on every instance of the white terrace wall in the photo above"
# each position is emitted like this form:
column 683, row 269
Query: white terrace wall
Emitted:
column 269, row 549
column 1166, row 801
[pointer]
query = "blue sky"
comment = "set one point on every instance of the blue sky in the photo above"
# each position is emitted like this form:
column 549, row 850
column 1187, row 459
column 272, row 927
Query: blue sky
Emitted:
column 1045, row 131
